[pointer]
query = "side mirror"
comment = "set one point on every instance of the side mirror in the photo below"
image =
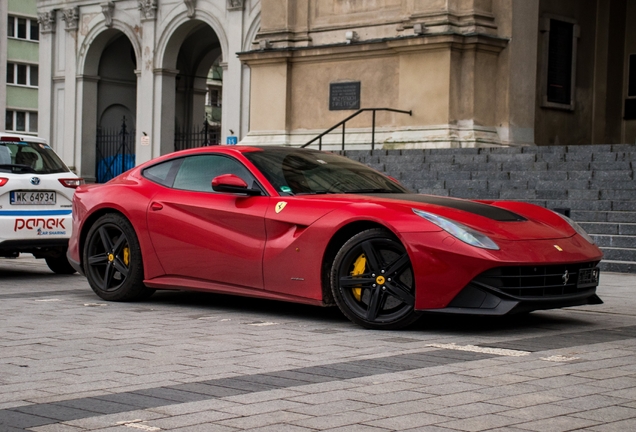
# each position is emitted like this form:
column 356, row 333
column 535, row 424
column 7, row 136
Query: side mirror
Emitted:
column 232, row 184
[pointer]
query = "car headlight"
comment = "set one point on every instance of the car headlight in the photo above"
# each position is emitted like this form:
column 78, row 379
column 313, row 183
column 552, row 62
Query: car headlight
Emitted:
column 577, row 228
column 459, row 231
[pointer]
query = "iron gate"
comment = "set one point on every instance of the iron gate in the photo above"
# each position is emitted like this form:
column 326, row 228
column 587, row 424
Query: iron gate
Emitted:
column 115, row 152
column 192, row 137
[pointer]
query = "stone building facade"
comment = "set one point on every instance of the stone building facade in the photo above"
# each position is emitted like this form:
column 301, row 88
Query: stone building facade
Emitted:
column 145, row 60
column 473, row 72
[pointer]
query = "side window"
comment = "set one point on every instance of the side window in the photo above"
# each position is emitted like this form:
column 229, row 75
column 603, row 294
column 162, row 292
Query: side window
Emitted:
column 163, row 173
column 196, row 172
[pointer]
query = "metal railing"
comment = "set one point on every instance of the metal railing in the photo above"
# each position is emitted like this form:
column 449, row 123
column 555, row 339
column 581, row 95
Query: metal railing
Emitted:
column 343, row 124
column 115, row 152
column 193, row 137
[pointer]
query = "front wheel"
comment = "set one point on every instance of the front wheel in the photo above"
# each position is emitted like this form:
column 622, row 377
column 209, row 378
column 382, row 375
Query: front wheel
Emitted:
column 372, row 281
column 112, row 260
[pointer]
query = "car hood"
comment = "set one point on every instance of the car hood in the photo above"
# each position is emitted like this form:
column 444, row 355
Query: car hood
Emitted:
column 531, row 223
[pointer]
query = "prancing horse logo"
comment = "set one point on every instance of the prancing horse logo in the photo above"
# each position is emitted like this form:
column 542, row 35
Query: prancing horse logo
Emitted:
column 565, row 277
column 280, row 206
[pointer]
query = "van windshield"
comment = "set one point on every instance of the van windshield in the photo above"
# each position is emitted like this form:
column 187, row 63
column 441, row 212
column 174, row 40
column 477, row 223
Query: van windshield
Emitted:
column 29, row 158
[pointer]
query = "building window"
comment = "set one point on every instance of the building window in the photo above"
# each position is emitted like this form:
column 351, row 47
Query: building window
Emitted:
column 21, row 121
column 560, row 36
column 630, row 102
column 22, row 74
column 23, row 28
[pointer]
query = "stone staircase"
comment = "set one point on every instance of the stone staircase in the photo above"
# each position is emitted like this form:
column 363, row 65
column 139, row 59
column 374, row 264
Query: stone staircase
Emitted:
column 596, row 182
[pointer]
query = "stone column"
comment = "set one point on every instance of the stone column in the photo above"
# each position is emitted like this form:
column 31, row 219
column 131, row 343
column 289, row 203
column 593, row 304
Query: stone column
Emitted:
column 232, row 73
column 87, row 125
column 67, row 148
column 164, row 106
column 47, row 64
column 517, row 75
column 147, row 98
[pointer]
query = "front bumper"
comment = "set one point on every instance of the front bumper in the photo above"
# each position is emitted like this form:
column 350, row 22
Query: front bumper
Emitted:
column 518, row 289
column 444, row 267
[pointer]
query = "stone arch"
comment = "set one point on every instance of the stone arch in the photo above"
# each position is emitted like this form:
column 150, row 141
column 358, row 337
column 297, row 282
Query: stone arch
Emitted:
column 97, row 38
column 97, row 95
column 177, row 30
column 185, row 52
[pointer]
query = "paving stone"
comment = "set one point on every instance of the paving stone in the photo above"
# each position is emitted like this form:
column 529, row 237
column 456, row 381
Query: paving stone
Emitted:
column 557, row 424
column 480, row 423
column 164, row 337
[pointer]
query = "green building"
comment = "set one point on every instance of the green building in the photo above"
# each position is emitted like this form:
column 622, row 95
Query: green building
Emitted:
column 19, row 51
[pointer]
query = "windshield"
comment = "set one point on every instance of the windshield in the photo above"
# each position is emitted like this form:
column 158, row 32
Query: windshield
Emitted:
column 29, row 158
column 294, row 171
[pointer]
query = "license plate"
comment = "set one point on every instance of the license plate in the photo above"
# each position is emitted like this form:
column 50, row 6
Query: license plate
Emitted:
column 588, row 278
column 33, row 198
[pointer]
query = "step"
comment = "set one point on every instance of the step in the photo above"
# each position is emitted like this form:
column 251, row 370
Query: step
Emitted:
column 617, row 266
column 609, row 228
column 614, row 241
column 619, row 254
column 603, row 216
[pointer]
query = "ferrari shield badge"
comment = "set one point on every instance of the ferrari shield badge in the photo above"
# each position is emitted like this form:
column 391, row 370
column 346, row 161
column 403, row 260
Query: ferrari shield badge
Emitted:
column 280, row 206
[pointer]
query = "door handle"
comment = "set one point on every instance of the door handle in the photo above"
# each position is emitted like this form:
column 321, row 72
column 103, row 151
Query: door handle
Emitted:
column 156, row 206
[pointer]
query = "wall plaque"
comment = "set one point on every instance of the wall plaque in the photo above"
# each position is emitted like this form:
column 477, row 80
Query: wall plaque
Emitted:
column 344, row 96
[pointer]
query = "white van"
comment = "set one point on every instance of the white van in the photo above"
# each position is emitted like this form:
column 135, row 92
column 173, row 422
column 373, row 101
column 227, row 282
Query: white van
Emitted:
column 36, row 194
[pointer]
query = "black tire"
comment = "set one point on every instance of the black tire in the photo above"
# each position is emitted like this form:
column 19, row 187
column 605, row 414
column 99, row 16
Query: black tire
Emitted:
column 382, row 294
column 112, row 260
column 60, row 265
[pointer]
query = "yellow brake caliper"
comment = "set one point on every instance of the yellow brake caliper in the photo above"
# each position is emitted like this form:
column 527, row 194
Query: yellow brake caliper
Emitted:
column 358, row 269
column 126, row 256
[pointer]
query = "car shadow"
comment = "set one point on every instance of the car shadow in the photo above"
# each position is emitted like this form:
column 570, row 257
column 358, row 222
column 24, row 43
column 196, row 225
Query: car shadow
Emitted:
column 534, row 323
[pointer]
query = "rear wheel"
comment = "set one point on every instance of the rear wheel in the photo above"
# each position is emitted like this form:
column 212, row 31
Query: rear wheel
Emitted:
column 112, row 260
column 59, row 264
column 372, row 281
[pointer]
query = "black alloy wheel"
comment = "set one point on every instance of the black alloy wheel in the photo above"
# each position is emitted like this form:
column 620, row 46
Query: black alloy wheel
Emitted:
column 372, row 281
column 112, row 260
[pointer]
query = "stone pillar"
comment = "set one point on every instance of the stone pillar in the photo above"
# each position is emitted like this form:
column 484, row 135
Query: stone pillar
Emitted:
column 232, row 75
column 270, row 100
column 67, row 148
column 517, row 75
column 47, row 64
column 146, row 96
column 164, row 111
column 87, row 125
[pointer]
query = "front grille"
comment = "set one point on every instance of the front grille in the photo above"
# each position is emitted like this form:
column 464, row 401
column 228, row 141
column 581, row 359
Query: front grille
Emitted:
column 540, row 281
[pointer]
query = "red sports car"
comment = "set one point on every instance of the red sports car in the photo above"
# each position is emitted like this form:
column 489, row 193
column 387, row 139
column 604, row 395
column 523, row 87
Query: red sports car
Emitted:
column 312, row 227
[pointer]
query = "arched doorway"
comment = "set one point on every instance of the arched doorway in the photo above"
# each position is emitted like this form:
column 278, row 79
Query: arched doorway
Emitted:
column 198, row 86
column 108, row 89
column 116, row 108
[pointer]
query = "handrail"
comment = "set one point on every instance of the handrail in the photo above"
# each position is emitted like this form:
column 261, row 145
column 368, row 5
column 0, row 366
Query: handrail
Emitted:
column 342, row 123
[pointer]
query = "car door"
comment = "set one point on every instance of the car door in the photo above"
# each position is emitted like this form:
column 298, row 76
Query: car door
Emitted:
column 201, row 234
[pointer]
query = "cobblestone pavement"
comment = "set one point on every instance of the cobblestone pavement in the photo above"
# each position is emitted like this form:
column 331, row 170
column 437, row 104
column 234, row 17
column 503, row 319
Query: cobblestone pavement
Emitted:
column 204, row 362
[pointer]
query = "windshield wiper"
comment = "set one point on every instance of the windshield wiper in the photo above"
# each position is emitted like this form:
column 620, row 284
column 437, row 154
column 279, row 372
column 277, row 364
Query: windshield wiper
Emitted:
column 17, row 168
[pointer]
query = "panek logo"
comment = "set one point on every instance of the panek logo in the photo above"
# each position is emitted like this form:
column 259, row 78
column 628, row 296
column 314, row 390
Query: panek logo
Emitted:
column 38, row 223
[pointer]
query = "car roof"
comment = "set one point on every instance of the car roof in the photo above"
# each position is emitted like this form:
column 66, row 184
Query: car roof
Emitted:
column 23, row 137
